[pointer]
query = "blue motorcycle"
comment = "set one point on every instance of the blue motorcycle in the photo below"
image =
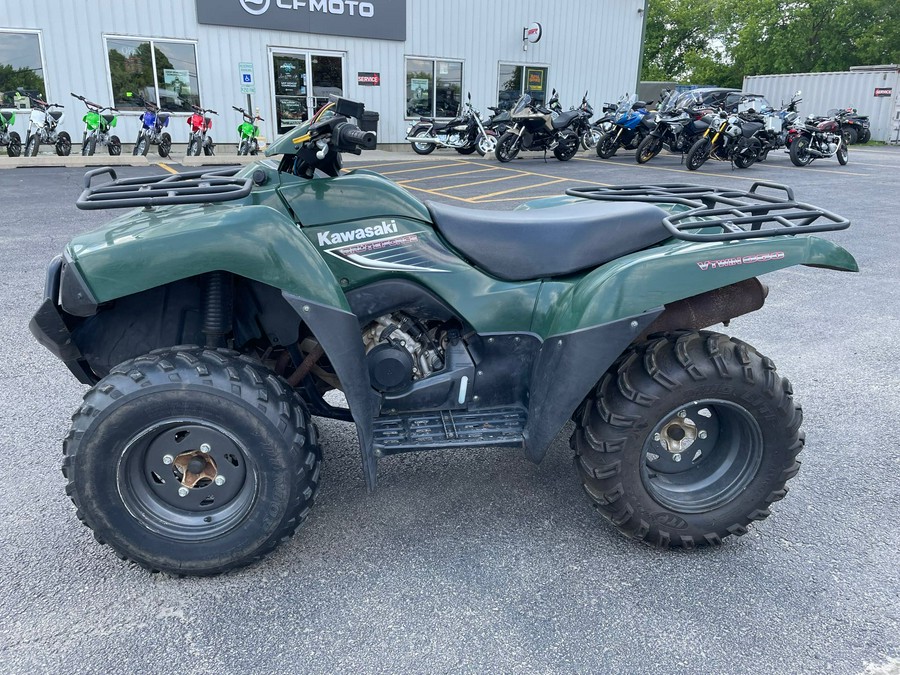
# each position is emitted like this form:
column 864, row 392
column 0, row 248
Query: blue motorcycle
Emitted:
column 630, row 125
column 153, row 120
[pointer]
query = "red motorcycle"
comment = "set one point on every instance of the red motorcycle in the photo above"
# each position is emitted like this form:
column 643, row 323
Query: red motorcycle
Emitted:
column 816, row 139
column 200, row 123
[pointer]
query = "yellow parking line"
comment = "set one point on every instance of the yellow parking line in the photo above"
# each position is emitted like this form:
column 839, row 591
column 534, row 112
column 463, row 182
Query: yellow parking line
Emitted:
column 380, row 164
column 696, row 173
column 439, row 194
column 443, row 175
column 418, row 168
column 478, row 182
column 545, row 175
column 166, row 167
column 477, row 200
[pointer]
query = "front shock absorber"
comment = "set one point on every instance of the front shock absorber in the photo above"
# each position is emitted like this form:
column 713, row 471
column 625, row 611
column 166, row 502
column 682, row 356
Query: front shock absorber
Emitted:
column 217, row 308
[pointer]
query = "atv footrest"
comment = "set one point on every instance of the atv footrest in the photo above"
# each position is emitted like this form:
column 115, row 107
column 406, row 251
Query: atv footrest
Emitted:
column 449, row 429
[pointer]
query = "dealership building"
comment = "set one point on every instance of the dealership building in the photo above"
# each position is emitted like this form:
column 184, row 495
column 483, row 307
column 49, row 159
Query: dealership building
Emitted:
column 402, row 58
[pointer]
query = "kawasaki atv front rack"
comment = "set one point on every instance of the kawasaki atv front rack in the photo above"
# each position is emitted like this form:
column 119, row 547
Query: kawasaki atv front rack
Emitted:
column 737, row 214
column 194, row 187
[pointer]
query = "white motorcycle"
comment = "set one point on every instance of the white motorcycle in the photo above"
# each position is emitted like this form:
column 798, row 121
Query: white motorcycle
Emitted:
column 43, row 127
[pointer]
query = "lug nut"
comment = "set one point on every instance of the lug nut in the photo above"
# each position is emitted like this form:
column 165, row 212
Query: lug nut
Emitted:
column 204, row 448
column 701, row 434
column 655, row 437
column 183, row 492
column 220, row 480
column 682, row 413
column 168, row 459
column 676, row 458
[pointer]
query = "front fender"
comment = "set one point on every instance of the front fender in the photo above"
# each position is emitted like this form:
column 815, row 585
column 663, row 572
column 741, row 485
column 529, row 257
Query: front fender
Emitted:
column 647, row 280
column 146, row 249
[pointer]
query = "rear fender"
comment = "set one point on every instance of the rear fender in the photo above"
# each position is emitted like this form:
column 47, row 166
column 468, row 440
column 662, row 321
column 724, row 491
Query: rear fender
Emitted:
column 147, row 249
column 589, row 324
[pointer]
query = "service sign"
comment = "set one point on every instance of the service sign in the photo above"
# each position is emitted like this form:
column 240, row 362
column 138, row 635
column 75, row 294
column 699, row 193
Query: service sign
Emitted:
column 368, row 79
column 884, row 91
column 379, row 19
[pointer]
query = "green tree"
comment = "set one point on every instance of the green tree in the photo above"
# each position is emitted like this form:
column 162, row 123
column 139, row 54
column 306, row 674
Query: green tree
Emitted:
column 761, row 37
column 12, row 79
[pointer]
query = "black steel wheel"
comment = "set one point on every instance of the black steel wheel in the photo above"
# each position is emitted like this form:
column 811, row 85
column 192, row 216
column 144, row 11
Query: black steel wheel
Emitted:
column 192, row 461
column 687, row 439
column 165, row 145
column 114, row 146
column 800, row 152
column 193, row 149
column 507, row 147
column 843, row 155
column 63, row 144
column 14, row 147
column 422, row 148
column 209, row 148
column 850, row 135
column 88, row 145
column 649, row 148
column 567, row 147
column 606, row 146
column 865, row 135
column 32, row 145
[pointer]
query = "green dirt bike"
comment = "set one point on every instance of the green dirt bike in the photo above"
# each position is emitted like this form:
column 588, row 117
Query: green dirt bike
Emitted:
column 9, row 138
column 212, row 319
column 99, row 122
column 248, row 131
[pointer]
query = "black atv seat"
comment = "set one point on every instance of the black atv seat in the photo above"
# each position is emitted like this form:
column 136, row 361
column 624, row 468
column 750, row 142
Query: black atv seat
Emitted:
column 563, row 119
column 549, row 242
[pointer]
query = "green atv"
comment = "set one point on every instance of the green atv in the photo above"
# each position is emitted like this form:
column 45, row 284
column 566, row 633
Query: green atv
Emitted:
column 212, row 320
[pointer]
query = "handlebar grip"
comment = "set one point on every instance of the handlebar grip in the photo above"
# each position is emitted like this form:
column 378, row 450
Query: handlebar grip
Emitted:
column 240, row 110
column 212, row 111
column 350, row 133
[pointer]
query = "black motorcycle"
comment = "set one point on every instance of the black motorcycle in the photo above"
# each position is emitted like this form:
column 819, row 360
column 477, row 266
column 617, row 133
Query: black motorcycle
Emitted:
column 854, row 127
column 679, row 124
column 731, row 138
column 499, row 122
column 537, row 127
column 588, row 135
column 465, row 133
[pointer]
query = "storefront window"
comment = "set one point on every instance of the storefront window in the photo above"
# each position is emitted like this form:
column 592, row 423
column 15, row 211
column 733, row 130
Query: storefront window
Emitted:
column 517, row 80
column 21, row 69
column 433, row 87
column 158, row 71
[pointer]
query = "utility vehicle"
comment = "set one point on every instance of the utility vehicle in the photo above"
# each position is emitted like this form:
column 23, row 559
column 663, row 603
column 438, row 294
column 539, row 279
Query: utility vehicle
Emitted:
column 212, row 318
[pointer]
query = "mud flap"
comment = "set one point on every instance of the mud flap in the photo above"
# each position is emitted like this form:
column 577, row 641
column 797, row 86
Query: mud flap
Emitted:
column 337, row 330
column 567, row 366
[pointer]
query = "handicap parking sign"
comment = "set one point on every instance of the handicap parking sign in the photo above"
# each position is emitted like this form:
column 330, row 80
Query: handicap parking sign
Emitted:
column 245, row 70
column 248, row 78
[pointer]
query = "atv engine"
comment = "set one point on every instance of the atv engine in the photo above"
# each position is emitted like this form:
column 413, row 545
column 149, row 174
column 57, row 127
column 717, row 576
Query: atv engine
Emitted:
column 399, row 350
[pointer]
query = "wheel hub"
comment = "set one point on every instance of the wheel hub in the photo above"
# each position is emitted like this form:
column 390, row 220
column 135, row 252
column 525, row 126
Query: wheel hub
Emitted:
column 678, row 435
column 196, row 468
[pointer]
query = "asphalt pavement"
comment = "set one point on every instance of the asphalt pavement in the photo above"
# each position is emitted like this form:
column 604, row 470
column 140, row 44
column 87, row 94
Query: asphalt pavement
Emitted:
column 477, row 560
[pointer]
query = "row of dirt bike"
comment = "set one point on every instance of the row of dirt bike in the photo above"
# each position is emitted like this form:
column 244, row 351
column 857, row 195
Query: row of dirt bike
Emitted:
column 45, row 121
column 681, row 124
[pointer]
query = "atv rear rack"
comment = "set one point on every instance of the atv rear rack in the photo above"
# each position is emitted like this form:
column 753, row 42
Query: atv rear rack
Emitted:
column 738, row 214
column 194, row 187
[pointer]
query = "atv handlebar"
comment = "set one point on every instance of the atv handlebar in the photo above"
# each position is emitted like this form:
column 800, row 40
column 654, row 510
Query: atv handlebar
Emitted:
column 349, row 133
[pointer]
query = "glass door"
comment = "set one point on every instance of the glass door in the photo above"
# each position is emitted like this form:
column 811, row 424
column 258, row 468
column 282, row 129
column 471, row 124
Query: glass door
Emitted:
column 302, row 82
column 515, row 80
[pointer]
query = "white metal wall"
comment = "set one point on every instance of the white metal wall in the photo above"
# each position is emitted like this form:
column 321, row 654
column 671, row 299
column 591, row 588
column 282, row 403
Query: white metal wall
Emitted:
column 588, row 45
column 823, row 91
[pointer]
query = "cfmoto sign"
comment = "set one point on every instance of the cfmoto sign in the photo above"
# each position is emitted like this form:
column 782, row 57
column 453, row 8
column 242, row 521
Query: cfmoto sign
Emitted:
column 379, row 19
column 255, row 7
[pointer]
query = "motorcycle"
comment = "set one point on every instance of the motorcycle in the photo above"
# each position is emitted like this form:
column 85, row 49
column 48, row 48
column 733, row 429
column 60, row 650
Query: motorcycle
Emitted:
column 153, row 120
column 537, row 127
column 778, row 124
column 587, row 134
column 678, row 126
column 10, row 139
column 854, row 127
column 729, row 137
column 97, row 127
column 444, row 327
column 628, row 129
column 200, row 123
column 248, row 132
column 465, row 133
column 818, row 140
column 43, row 124
column 499, row 122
